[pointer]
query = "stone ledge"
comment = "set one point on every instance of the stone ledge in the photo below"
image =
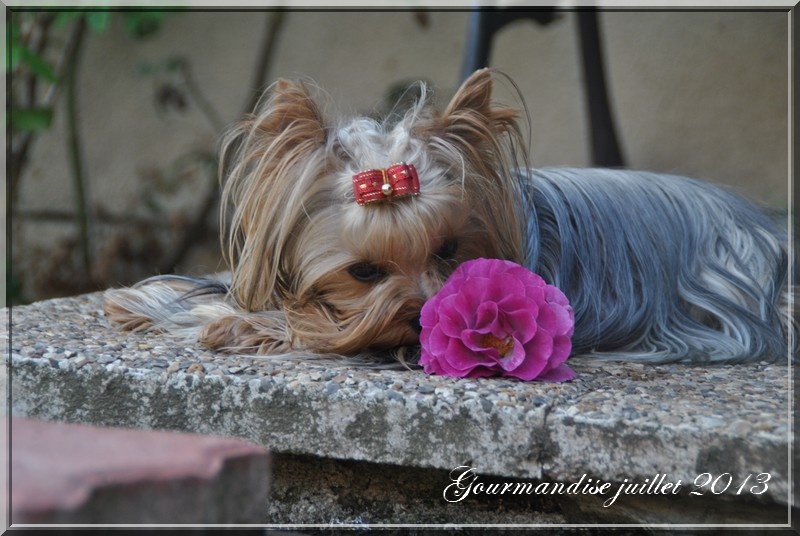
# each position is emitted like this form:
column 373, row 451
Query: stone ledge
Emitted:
column 615, row 421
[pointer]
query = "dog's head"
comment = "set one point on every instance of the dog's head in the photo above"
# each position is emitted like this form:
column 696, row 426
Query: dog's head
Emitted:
column 352, row 276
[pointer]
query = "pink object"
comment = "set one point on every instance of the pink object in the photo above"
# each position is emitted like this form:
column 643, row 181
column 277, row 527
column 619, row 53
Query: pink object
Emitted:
column 69, row 473
column 495, row 317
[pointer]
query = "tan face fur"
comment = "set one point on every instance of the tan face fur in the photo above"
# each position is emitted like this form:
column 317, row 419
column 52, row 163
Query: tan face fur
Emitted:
column 347, row 277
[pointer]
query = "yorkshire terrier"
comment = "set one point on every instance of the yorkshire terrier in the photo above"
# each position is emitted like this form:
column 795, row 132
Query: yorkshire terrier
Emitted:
column 340, row 231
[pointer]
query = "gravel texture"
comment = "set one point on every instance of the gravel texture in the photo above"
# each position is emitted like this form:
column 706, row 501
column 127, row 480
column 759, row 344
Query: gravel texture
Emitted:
column 615, row 421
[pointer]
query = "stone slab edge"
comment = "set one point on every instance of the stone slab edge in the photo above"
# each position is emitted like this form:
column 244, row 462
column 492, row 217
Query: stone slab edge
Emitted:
column 615, row 421
column 422, row 430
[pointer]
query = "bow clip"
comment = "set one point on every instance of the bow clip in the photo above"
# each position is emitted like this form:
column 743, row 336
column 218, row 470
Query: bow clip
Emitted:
column 398, row 180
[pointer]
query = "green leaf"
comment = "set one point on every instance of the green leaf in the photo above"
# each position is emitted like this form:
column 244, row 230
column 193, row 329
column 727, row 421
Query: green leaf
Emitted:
column 13, row 57
column 65, row 17
column 145, row 68
column 37, row 64
column 31, row 119
column 174, row 63
column 14, row 48
column 152, row 204
column 98, row 20
column 143, row 23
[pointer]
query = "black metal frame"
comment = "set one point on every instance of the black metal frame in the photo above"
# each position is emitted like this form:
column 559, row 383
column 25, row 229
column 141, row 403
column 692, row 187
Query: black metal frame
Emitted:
column 483, row 26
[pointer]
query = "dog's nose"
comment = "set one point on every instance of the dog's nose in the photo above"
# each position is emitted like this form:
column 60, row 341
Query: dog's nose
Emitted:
column 415, row 325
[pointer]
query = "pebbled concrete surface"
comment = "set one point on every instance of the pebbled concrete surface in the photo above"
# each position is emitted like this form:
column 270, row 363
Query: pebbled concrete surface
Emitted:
column 616, row 421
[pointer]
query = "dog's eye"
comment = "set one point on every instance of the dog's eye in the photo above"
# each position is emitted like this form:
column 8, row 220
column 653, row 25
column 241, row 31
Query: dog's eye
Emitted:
column 447, row 251
column 367, row 272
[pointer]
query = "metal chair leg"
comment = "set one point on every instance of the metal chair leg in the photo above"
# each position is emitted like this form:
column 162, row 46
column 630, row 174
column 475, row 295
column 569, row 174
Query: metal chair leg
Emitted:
column 484, row 24
column 603, row 136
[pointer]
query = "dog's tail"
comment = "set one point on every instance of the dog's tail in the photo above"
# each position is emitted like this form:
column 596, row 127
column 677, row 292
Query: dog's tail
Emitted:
column 201, row 310
column 197, row 310
column 169, row 303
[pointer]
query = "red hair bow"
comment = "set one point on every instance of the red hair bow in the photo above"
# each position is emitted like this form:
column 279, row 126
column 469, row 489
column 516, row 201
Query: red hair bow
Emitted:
column 398, row 180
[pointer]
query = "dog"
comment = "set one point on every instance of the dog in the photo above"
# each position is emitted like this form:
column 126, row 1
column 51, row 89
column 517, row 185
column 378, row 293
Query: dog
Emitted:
column 339, row 232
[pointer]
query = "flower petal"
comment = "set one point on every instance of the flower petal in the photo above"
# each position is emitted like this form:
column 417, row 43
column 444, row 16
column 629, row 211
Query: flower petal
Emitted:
column 474, row 339
column 453, row 319
column 520, row 317
column 458, row 360
column 486, row 316
column 438, row 341
column 563, row 318
column 561, row 373
column 553, row 294
column 512, row 361
column 547, row 319
column 562, row 346
column 493, row 317
column 502, row 286
column 537, row 352
column 429, row 362
column 482, row 372
column 467, row 299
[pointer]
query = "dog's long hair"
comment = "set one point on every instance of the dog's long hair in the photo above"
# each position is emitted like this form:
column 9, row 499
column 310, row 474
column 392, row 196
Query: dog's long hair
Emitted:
column 658, row 268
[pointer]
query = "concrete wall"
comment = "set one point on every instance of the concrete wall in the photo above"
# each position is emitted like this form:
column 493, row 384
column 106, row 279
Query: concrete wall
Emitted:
column 699, row 93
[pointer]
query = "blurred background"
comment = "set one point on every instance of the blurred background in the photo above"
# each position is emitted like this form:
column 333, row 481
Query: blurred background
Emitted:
column 115, row 116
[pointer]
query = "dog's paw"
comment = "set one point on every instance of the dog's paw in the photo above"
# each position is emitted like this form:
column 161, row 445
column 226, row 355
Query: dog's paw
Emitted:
column 249, row 333
column 119, row 307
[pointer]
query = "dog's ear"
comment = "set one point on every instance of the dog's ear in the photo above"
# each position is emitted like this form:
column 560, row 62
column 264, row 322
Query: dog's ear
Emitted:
column 471, row 113
column 292, row 111
column 475, row 93
column 271, row 163
column 485, row 139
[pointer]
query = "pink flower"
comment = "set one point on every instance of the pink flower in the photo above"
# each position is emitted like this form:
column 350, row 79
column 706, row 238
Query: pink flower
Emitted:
column 495, row 317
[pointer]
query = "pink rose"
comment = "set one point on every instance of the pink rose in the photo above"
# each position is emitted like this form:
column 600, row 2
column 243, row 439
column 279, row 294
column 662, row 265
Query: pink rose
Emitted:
column 495, row 317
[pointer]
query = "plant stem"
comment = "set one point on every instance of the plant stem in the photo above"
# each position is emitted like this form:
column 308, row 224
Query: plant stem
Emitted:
column 74, row 146
column 18, row 146
column 274, row 24
column 195, row 229
column 205, row 106
column 66, row 216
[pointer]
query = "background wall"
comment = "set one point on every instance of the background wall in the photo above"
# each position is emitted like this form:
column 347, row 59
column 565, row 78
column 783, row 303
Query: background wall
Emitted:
column 697, row 93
